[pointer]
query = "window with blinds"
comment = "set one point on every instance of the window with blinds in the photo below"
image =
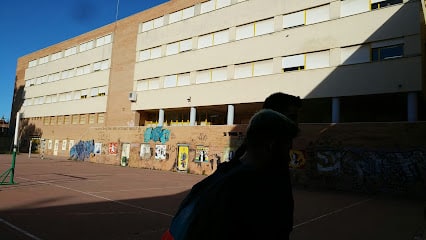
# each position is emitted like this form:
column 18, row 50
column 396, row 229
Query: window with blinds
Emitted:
column 292, row 63
column 253, row 69
column 376, row 4
column 354, row 54
column 351, row 7
column 317, row 60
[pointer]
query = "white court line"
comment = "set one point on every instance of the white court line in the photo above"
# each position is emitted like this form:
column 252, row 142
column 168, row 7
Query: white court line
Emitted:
column 100, row 197
column 332, row 212
column 19, row 229
column 140, row 189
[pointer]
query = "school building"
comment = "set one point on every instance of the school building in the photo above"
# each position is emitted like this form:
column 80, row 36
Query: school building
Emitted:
column 195, row 64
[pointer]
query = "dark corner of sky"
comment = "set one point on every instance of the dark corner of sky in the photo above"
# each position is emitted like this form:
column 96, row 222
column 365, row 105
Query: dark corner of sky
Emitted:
column 91, row 14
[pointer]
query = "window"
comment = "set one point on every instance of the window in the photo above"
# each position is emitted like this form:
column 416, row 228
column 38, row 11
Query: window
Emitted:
column 245, row 31
column 214, row 4
column 102, row 91
column 291, row 63
column 54, row 77
column 317, row 60
column 294, row 19
column 207, row 6
column 56, row 56
column 67, row 119
column 83, row 94
column 355, row 54
column 264, row 27
column 102, row 65
column 60, row 120
column 351, row 7
column 43, row 60
column 92, row 118
column 155, row 23
column 46, row 121
column 182, row 14
column 182, row 46
column 94, row 92
column 101, row 117
column 183, row 79
column 253, row 69
column 376, row 4
column 83, row 118
column 62, row 97
column 77, row 95
column 86, row 46
column 68, row 96
column 154, row 83
column 70, row 51
column 83, row 70
column 32, row 63
column 215, row 38
column 48, row 99
column 211, row 75
column 387, row 52
column 318, row 14
column 142, row 85
column 54, row 98
column 53, row 120
column 103, row 40
column 170, row 81
column 75, row 119
column 68, row 73
column 150, row 54
column 261, row 68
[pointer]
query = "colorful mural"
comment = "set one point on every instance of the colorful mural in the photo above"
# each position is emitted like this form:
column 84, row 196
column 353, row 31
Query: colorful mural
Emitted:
column 157, row 134
column 82, row 150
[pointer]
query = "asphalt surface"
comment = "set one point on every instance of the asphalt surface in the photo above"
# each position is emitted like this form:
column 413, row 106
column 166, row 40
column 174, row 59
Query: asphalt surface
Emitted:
column 56, row 198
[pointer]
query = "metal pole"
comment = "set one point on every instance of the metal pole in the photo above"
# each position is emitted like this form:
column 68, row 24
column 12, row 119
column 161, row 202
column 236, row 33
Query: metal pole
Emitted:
column 29, row 151
column 15, row 146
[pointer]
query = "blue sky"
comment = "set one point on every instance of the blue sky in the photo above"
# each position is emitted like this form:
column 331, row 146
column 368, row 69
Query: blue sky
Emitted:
column 31, row 25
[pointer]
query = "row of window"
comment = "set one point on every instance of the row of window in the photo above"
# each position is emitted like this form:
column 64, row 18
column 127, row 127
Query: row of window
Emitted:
column 377, row 51
column 253, row 29
column 183, row 14
column 73, row 72
column 92, row 118
column 67, row 96
column 304, row 17
column 72, row 50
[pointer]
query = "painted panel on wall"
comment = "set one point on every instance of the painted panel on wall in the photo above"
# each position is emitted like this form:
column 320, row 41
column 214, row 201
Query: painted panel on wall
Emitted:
column 183, row 154
column 145, row 152
column 160, row 152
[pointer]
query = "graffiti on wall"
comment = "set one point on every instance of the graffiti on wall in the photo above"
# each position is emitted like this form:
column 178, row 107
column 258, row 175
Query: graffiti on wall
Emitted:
column 82, row 150
column 359, row 168
column 157, row 134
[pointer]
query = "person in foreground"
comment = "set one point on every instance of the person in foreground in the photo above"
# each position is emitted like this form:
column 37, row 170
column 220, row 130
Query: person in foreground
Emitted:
column 252, row 200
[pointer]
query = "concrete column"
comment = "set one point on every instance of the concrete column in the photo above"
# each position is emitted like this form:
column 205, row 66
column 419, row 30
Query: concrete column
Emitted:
column 230, row 117
column 335, row 111
column 192, row 116
column 412, row 107
column 160, row 117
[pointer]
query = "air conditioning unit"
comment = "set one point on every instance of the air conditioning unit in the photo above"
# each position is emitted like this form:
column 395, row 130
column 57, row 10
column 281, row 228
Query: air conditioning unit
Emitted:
column 132, row 96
